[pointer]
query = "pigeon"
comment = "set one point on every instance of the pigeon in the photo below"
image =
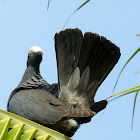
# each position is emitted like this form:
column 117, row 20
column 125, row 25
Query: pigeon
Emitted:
column 83, row 63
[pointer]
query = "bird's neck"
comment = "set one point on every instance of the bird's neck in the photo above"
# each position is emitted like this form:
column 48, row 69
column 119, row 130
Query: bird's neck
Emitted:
column 33, row 68
column 30, row 72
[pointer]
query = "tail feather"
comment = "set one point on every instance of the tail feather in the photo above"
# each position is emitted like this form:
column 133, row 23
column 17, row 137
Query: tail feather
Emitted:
column 83, row 64
column 95, row 52
column 91, row 90
column 83, row 82
column 74, row 80
column 67, row 47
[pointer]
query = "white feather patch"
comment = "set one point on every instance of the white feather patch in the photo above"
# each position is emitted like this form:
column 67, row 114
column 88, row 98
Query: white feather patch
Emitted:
column 72, row 123
column 35, row 49
column 74, row 80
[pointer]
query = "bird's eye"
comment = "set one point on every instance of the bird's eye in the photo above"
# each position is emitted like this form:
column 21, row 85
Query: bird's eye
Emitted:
column 30, row 54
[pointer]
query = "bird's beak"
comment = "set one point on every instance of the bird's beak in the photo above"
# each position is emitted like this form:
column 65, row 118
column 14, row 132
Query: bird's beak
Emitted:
column 40, row 52
column 43, row 52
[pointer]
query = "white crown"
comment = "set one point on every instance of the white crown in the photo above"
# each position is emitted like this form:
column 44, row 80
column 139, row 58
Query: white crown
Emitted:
column 35, row 49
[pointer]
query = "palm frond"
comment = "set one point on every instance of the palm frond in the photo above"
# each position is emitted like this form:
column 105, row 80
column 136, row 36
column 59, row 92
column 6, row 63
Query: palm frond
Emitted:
column 125, row 91
column 82, row 5
column 134, row 108
column 128, row 91
column 75, row 12
column 125, row 66
column 48, row 4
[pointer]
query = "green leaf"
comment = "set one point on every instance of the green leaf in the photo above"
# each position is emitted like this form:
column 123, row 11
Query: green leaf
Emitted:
column 82, row 5
column 75, row 12
column 120, row 93
column 127, row 93
column 48, row 4
column 125, row 66
column 134, row 109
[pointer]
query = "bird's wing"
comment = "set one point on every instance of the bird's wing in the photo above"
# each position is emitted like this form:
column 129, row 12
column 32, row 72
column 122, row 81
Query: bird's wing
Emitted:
column 38, row 105
column 41, row 106
column 83, row 67
column 32, row 82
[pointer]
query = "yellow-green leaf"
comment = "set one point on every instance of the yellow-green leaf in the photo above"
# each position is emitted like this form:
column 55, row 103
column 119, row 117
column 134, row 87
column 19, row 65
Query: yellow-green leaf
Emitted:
column 126, row 93
column 48, row 4
column 125, row 65
column 134, row 109
column 76, row 11
column 120, row 93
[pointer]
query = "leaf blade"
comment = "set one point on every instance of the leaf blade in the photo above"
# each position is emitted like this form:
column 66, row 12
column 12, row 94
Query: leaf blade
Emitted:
column 132, row 91
column 82, row 5
column 125, row 66
column 135, row 99
column 48, row 4
column 128, row 90
column 75, row 12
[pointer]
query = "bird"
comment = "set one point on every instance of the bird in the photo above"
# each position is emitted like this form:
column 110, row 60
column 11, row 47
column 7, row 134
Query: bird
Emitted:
column 83, row 63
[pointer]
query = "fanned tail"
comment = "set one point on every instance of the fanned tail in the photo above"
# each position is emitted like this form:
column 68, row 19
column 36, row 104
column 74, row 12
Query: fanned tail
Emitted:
column 83, row 63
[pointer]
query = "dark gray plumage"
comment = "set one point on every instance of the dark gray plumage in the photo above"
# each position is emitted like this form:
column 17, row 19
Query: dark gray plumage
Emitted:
column 83, row 63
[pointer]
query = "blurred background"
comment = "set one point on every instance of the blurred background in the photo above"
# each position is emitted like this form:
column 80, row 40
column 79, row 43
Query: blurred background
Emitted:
column 27, row 23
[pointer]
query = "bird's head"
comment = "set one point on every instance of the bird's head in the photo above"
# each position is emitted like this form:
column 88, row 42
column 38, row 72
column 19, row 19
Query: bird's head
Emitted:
column 34, row 56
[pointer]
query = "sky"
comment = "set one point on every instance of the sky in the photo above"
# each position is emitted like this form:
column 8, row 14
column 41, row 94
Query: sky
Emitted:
column 28, row 23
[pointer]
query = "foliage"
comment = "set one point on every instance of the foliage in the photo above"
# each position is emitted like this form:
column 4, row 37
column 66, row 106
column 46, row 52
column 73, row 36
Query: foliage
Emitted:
column 125, row 92
column 128, row 91
column 73, row 12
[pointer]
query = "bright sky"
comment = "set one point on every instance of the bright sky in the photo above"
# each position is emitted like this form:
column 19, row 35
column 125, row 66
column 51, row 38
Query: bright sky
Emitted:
column 27, row 23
